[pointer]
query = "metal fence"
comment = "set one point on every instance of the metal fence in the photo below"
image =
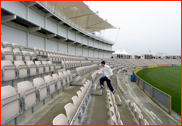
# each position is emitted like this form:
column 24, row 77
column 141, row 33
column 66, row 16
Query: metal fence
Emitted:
column 161, row 98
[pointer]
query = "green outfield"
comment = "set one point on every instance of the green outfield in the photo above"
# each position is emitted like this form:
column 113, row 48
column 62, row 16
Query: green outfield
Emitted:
column 167, row 79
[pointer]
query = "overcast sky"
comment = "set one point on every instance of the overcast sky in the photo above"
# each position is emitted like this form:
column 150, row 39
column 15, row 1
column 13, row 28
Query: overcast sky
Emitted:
column 148, row 25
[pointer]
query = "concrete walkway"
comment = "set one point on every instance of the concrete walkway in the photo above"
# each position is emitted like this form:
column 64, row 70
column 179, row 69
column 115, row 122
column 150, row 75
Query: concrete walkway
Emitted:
column 152, row 112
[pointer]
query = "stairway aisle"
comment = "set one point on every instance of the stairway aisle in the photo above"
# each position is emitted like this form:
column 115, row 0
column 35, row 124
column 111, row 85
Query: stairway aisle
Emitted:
column 100, row 112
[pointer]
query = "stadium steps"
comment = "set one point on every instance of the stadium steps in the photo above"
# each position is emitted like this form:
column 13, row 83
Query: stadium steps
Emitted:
column 152, row 113
column 46, row 113
column 98, row 112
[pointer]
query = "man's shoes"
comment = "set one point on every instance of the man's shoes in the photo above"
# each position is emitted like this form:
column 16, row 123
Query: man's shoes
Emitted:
column 101, row 87
column 113, row 92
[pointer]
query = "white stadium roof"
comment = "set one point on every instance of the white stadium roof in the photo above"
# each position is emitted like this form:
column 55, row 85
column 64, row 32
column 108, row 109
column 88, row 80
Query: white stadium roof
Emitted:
column 79, row 13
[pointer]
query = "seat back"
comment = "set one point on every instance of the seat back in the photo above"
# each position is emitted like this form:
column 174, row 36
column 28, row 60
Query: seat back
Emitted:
column 60, row 119
column 39, row 83
column 114, row 119
column 70, row 111
column 62, row 76
column 23, row 69
column 80, row 95
column 46, row 66
column 8, row 54
column 41, row 68
column 8, row 69
column 76, row 101
column 18, row 55
column 56, row 78
column 12, row 109
column 27, row 56
column 24, row 88
column 32, row 67
column 48, row 79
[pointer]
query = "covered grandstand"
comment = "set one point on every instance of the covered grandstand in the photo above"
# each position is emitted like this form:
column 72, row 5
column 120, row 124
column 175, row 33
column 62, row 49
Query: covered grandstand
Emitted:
column 61, row 87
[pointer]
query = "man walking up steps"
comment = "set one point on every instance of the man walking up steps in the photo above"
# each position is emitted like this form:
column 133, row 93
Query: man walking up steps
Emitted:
column 107, row 76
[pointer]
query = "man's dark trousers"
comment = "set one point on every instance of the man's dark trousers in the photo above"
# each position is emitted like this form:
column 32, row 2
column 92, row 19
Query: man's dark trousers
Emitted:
column 108, row 82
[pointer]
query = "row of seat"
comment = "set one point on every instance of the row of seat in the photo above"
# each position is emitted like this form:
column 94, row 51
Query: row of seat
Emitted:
column 22, row 69
column 86, row 63
column 94, row 75
column 16, row 55
column 82, row 70
column 10, row 46
column 70, row 64
column 75, row 110
column 114, row 109
column 120, row 87
column 13, row 104
column 59, row 58
column 137, row 113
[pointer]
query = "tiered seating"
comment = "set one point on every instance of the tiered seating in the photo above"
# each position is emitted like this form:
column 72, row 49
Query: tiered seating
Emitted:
column 13, row 104
column 94, row 76
column 22, row 70
column 75, row 110
column 70, row 64
column 172, row 61
column 114, row 109
column 137, row 113
column 86, row 63
column 119, row 85
column 86, row 69
column 158, row 61
column 12, row 52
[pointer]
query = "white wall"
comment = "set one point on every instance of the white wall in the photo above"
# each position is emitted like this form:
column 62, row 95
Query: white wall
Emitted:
column 71, row 35
column 96, row 53
column 78, row 51
column 108, row 55
column 101, row 54
column 85, row 40
column 79, row 38
column 71, row 49
column 63, row 48
column 13, row 35
column 36, row 41
column 51, row 45
column 100, row 45
column 105, row 54
column 36, row 18
column 15, row 7
column 63, row 31
column 91, row 53
column 91, row 42
column 85, row 52
column 96, row 44
column 51, row 26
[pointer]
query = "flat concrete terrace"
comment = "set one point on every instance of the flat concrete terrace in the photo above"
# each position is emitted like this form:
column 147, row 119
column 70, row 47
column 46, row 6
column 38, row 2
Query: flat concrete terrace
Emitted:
column 46, row 113
column 152, row 112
